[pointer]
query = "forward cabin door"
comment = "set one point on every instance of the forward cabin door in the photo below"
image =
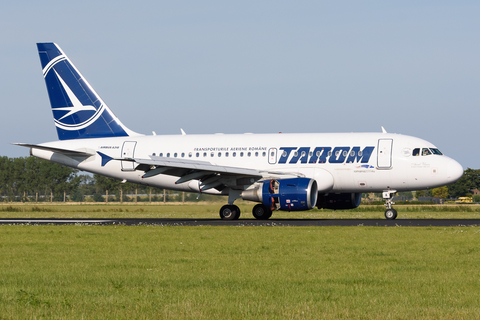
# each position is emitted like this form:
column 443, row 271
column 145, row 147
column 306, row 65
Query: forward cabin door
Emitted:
column 384, row 153
column 128, row 151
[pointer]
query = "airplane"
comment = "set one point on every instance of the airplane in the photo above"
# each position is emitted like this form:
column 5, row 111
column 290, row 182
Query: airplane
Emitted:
column 290, row 172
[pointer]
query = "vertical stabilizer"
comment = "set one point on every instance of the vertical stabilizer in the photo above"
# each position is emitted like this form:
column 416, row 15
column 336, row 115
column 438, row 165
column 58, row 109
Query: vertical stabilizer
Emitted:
column 78, row 111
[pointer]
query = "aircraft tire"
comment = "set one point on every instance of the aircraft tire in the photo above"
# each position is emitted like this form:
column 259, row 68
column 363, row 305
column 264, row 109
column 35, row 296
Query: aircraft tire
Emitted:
column 261, row 212
column 230, row 212
column 390, row 214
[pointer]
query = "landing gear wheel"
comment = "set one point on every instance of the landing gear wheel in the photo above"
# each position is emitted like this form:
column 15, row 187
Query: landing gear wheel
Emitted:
column 390, row 214
column 230, row 212
column 261, row 212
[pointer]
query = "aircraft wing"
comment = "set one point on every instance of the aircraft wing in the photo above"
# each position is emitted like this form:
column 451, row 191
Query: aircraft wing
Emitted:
column 67, row 152
column 209, row 174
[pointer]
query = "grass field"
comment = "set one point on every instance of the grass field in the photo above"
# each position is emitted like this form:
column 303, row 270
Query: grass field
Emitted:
column 160, row 272
column 210, row 210
column 107, row 272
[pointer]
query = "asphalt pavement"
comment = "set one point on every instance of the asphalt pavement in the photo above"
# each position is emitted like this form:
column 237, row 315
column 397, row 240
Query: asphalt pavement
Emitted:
column 251, row 222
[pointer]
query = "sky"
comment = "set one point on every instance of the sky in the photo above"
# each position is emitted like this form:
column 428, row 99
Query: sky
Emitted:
column 412, row 67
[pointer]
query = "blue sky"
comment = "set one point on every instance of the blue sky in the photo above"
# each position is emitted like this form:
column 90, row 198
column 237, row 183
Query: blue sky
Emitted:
column 253, row 66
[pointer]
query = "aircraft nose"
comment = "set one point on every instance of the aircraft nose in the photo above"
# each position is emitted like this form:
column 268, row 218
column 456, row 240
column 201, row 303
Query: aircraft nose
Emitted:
column 454, row 171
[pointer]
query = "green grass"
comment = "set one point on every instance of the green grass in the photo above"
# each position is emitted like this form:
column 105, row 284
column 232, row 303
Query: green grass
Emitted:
column 210, row 210
column 154, row 272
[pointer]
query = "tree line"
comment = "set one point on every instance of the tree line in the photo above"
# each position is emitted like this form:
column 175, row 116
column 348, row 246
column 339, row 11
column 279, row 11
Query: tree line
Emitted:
column 33, row 179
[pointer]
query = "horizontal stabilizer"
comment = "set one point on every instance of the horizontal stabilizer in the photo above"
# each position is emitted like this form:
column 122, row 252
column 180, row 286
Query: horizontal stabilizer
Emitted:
column 67, row 152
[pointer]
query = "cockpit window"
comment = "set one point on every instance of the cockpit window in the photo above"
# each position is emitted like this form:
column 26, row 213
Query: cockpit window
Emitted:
column 436, row 151
column 426, row 152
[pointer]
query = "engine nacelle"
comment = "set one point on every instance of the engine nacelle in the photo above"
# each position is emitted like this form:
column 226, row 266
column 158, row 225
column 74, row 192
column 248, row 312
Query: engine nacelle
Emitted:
column 339, row 200
column 296, row 194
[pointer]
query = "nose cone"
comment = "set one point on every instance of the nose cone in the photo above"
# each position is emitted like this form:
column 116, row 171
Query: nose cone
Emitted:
column 454, row 171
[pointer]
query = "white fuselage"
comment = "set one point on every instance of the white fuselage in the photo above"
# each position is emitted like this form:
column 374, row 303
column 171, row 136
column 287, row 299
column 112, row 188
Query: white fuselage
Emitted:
column 390, row 165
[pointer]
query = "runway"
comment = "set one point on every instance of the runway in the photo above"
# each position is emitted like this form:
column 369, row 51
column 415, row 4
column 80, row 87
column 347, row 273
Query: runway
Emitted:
column 251, row 222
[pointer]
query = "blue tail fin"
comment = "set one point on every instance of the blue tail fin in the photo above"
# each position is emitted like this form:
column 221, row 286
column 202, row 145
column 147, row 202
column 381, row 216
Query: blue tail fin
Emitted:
column 78, row 111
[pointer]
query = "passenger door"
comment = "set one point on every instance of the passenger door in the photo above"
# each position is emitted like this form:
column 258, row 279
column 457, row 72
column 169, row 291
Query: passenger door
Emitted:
column 384, row 153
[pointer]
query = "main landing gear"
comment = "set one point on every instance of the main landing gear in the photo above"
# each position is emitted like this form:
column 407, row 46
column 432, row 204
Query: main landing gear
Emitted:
column 232, row 212
column 261, row 212
column 390, row 213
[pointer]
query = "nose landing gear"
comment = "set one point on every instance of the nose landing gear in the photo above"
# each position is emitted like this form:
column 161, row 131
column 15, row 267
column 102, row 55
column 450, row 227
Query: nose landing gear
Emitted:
column 390, row 213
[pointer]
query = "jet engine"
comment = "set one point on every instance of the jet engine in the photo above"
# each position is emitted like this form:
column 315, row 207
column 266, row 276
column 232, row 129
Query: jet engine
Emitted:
column 339, row 200
column 296, row 194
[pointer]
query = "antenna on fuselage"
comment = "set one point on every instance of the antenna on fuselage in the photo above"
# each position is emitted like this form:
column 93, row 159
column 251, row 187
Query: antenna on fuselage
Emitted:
column 383, row 130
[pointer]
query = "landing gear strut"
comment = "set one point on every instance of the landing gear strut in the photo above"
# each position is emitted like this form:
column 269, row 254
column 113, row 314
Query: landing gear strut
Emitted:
column 390, row 213
column 230, row 212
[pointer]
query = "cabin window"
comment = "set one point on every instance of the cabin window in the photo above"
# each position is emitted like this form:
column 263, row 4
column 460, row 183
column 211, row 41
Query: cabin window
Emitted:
column 360, row 153
column 303, row 153
column 204, row 154
column 330, row 153
column 284, row 154
column 183, row 154
column 352, row 153
column 198, row 154
column 318, row 153
column 226, row 154
column 272, row 154
column 249, row 154
column 234, row 154
column 345, row 153
column 295, row 154
column 219, row 154
column 416, row 152
column 264, row 154
column 241, row 154
column 175, row 154
column 153, row 154
column 211, row 154
column 168, row 154
column 189, row 154
column 256, row 154
column 337, row 153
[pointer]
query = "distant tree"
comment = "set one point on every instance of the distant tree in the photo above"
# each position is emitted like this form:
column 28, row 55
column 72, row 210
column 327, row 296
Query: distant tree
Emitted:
column 6, row 176
column 423, row 193
column 86, row 186
column 469, row 181
column 33, row 180
column 441, row 192
column 97, row 197
column 106, row 185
